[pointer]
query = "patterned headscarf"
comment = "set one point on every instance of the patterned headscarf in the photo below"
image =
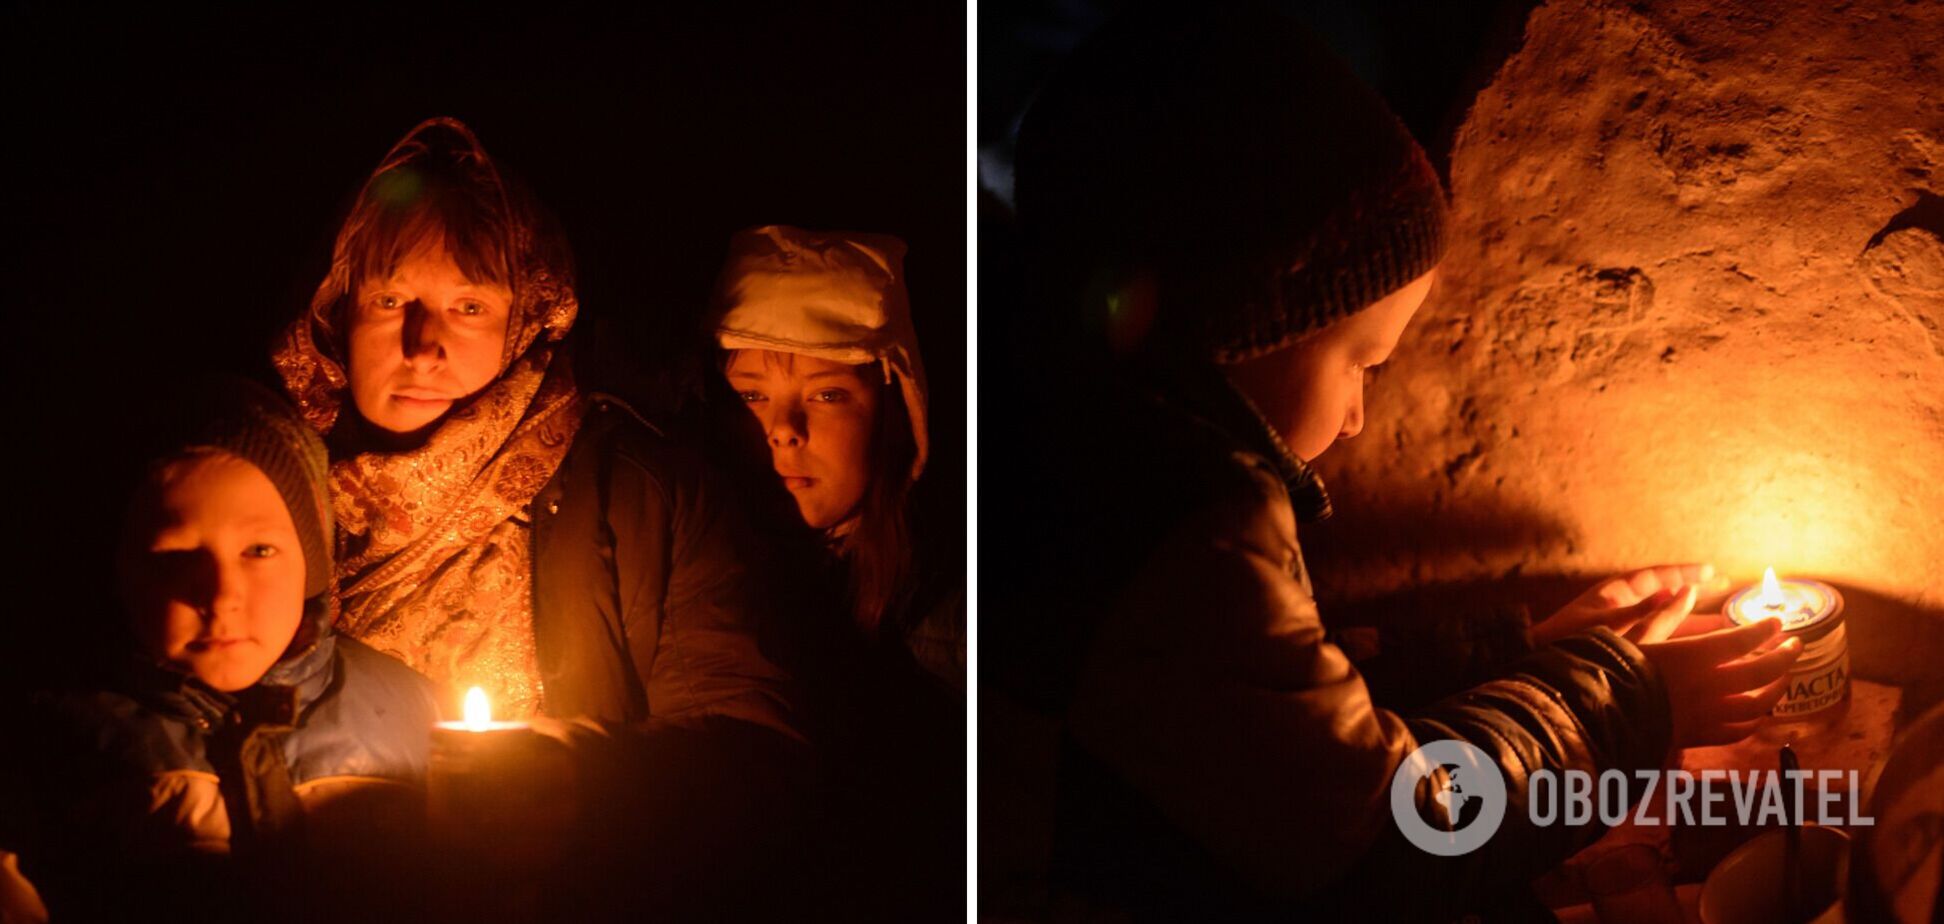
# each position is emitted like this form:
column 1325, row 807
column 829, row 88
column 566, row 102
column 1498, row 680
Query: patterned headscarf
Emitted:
column 434, row 554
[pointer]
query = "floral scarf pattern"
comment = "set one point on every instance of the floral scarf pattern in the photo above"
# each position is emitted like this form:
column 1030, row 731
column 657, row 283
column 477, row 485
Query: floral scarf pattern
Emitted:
column 435, row 543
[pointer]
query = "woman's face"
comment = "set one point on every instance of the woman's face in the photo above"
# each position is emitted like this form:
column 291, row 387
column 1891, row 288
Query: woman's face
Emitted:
column 424, row 340
column 818, row 416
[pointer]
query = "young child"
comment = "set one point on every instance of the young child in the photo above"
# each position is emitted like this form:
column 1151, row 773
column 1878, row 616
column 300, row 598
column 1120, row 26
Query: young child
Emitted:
column 1225, row 230
column 242, row 740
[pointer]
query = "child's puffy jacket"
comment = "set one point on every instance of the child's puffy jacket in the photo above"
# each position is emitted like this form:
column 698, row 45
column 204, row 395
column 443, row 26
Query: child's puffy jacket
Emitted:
column 157, row 780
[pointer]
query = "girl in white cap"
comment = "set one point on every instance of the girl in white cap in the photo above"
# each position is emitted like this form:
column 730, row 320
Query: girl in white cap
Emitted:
column 820, row 348
column 818, row 344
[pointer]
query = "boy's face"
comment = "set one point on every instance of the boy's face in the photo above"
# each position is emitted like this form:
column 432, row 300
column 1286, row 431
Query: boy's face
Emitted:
column 423, row 340
column 211, row 570
column 817, row 415
column 1312, row 392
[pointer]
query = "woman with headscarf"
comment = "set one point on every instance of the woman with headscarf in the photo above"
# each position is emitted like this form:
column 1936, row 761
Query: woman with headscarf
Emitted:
column 499, row 527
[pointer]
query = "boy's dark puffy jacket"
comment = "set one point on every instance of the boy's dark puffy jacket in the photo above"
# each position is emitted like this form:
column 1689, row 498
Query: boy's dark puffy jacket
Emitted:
column 1221, row 759
column 152, row 781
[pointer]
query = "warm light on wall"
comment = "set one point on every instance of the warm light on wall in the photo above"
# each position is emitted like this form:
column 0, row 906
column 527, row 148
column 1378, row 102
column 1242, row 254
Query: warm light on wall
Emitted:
column 1795, row 512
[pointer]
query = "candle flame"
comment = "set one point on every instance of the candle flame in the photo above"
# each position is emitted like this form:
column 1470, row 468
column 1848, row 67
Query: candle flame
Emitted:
column 1771, row 590
column 479, row 713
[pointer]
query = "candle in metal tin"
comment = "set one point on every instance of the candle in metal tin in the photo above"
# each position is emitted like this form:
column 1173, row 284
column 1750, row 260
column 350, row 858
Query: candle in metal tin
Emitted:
column 1813, row 612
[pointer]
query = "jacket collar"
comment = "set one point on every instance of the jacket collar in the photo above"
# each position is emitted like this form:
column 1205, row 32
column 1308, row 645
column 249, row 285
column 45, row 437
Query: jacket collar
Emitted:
column 282, row 696
column 308, row 674
column 1204, row 392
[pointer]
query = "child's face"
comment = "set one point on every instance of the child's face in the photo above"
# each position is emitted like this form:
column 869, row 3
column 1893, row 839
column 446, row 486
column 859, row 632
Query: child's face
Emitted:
column 1312, row 392
column 211, row 570
column 818, row 415
column 424, row 339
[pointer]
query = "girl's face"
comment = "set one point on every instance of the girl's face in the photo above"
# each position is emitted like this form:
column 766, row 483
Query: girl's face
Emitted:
column 211, row 571
column 818, row 416
column 1312, row 391
column 423, row 340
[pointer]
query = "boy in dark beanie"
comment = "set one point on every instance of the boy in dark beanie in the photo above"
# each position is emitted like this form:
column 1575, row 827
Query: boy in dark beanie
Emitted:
column 241, row 735
column 1224, row 229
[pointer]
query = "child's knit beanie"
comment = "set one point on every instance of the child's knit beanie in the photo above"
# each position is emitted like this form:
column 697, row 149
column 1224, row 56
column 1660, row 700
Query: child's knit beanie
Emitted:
column 247, row 420
column 1225, row 150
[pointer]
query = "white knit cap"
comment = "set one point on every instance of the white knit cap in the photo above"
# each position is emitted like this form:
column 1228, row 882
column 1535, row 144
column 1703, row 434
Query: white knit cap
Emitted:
column 834, row 295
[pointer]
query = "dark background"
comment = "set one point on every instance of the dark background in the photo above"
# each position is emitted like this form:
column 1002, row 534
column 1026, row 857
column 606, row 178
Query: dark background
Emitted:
column 1428, row 58
column 176, row 175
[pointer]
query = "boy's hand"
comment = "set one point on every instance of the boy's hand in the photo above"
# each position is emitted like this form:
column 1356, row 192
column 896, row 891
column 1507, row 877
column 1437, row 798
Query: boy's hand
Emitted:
column 1644, row 606
column 1721, row 684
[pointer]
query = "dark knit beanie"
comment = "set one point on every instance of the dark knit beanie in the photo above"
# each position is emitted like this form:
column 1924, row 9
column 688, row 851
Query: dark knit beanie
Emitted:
column 257, row 425
column 1224, row 149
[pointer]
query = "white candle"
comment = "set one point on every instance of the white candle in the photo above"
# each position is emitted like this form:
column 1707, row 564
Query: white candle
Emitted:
column 478, row 712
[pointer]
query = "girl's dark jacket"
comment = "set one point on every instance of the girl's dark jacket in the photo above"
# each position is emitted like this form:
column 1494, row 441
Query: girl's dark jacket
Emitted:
column 1222, row 759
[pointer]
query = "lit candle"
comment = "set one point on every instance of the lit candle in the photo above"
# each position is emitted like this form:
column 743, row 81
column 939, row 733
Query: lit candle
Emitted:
column 468, row 746
column 478, row 713
column 482, row 802
column 471, row 764
column 1813, row 612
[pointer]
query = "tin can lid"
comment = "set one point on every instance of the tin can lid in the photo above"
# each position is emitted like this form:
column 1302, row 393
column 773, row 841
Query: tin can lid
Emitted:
column 1814, row 610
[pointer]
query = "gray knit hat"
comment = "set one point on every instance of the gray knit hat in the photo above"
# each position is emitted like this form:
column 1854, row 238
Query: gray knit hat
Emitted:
column 255, row 424
column 1226, row 150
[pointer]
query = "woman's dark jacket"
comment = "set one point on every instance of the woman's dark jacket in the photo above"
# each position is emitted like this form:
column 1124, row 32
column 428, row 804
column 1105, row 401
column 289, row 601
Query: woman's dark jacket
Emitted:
column 647, row 607
column 652, row 613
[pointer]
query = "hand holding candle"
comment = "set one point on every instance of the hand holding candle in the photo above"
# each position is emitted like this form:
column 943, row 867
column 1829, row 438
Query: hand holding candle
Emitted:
column 476, row 746
column 499, row 783
column 502, row 801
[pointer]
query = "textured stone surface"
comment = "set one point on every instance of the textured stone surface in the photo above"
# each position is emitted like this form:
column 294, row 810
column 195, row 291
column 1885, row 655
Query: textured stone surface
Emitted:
column 1695, row 309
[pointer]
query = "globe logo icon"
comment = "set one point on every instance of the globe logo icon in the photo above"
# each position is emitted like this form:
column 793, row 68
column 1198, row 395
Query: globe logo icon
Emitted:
column 1448, row 798
column 1453, row 798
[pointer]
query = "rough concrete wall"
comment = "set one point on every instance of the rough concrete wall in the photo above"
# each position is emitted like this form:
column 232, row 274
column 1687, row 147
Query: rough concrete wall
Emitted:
column 1695, row 309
